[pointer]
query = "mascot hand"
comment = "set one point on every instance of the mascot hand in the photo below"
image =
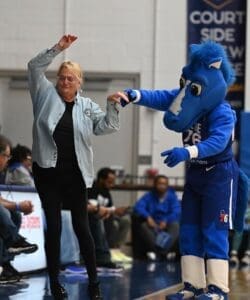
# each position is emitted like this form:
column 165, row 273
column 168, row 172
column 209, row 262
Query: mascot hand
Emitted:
column 131, row 94
column 175, row 155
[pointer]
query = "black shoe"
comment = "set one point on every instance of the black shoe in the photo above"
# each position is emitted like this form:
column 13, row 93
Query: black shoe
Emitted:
column 58, row 291
column 8, row 267
column 94, row 291
column 110, row 266
column 21, row 246
column 7, row 277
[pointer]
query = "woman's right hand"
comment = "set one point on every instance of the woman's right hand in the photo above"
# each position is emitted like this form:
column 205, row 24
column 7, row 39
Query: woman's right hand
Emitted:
column 117, row 97
column 66, row 41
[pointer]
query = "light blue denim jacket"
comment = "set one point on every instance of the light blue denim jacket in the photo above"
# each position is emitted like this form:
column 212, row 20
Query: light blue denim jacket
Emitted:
column 48, row 108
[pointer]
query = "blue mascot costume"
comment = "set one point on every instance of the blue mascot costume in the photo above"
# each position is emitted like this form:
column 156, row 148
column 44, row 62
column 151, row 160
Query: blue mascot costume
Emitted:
column 199, row 111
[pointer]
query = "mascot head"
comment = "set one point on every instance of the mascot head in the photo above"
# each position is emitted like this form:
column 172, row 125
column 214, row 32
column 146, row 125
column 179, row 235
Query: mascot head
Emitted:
column 203, row 85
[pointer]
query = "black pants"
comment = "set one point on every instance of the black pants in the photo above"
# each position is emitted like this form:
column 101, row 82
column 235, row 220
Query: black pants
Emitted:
column 144, row 237
column 102, row 250
column 54, row 187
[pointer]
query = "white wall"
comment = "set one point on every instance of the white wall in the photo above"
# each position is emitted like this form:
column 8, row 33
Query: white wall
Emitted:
column 170, row 58
column 26, row 27
column 3, row 86
column 143, row 36
column 17, row 116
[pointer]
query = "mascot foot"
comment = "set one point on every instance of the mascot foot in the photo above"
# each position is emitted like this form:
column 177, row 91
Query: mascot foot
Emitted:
column 189, row 292
column 214, row 293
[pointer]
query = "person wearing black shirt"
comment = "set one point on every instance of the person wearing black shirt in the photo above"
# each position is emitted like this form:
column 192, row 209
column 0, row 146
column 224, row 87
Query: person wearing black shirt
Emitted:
column 102, row 210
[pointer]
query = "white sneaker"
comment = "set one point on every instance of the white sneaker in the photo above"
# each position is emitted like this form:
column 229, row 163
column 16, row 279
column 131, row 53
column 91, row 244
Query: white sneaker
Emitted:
column 125, row 258
column 114, row 255
column 245, row 261
column 151, row 256
column 233, row 261
column 118, row 256
column 171, row 256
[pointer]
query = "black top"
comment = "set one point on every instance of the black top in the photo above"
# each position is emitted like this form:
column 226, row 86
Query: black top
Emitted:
column 64, row 139
column 101, row 195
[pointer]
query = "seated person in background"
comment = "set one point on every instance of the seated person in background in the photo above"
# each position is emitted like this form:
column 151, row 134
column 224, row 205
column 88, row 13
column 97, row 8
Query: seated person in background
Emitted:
column 2, row 177
column 156, row 211
column 117, row 227
column 101, row 209
column 19, row 168
column 11, row 243
column 237, row 240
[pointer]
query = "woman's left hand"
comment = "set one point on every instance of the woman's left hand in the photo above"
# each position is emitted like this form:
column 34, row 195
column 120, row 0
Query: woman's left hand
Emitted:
column 117, row 97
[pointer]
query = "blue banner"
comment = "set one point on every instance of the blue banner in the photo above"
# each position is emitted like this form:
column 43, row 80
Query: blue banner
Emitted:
column 223, row 21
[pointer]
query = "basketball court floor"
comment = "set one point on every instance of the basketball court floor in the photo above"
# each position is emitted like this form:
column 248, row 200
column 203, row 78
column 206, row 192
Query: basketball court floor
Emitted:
column 141, row 280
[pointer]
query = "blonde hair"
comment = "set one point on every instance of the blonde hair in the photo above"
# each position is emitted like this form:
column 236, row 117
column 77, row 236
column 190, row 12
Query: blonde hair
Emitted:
column 74, row 67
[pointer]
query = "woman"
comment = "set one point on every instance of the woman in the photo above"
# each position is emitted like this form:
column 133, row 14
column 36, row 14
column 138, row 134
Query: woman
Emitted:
column 62, row 154
column 19, row 169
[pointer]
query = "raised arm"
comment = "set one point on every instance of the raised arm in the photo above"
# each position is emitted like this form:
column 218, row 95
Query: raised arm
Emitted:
column 39, row 64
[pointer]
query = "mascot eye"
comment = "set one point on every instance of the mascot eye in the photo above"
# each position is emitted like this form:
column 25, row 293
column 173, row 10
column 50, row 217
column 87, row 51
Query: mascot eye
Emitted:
column 182, row 82
column 195, row 89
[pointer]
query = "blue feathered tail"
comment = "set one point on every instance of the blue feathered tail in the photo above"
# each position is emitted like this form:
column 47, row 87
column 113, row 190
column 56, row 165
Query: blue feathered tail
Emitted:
column 242, row 201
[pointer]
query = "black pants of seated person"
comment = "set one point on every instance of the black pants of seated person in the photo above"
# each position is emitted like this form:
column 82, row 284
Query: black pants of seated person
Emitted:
column 53, row 186
column 143, row 238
